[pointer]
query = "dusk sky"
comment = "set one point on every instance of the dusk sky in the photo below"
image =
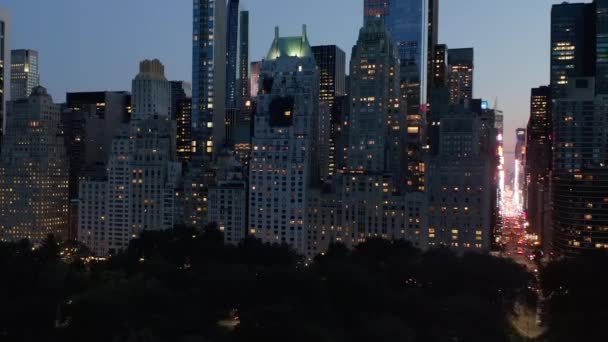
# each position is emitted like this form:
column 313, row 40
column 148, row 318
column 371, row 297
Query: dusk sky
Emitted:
column 96, row 45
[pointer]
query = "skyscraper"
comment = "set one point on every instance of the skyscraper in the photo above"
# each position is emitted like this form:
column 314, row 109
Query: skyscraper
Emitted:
column 440, row 66
column 5, row 61
column 244, row 92
column 460, row 75
column 283, row 163
column 538, row 163
column 33, row 171
column 376, row 123
column 208, row 82
column 331, row 61
column 573, row 42
column 232, row 38
column 24, row 73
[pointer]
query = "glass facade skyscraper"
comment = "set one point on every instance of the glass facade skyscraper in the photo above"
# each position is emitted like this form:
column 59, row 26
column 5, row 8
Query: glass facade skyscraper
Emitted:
column 232, row 32
column 208, row 85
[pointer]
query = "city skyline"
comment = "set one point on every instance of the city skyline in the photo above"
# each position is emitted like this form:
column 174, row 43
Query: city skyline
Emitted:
column 62, row 68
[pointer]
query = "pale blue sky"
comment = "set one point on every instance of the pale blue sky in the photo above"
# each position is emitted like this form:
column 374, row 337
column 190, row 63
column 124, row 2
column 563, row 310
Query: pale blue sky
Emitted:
column 96, row 45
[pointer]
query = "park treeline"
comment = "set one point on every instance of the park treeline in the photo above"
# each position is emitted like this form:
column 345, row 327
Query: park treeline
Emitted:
column 186, row 285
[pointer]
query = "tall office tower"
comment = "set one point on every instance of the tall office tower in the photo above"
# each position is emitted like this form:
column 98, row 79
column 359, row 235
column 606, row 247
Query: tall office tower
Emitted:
column 460, row 75
column 151, row 91
column 256, row 68
column 538, row 164
column 142, row 172
column 573, row 41
column 232, row 38
column 245, row 90
column 33, row 171
column 24, row 73
column 460, row 209
column 284, row 158
column 580, row 175
column 5, row 73
column 228, row 199
column 331, row 61
column 184, row 130
column 376, row 124
column 180, row 91
column 601, row 43
column 208, row 82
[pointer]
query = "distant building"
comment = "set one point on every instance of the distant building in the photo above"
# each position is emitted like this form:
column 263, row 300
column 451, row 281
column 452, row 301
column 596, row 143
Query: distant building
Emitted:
column 460, row 75
column 5, row 73
column 33, row 171
column 24, row 73
column 284, row 159
column 440, row 66
column 601, row 47
column 331, row 61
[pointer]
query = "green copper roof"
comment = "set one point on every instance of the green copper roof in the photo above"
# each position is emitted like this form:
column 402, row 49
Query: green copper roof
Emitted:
column 297, row 46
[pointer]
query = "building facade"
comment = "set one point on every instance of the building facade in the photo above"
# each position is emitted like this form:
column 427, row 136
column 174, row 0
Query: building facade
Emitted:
column 24, row 73
column 33, row 171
